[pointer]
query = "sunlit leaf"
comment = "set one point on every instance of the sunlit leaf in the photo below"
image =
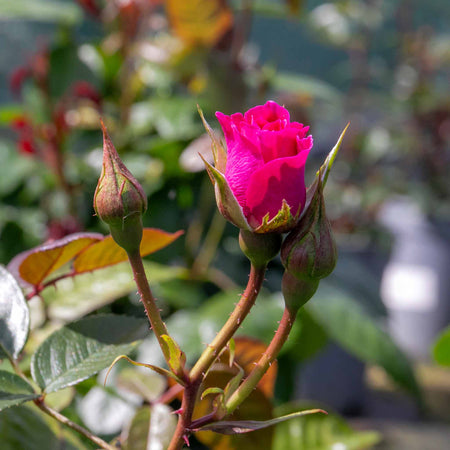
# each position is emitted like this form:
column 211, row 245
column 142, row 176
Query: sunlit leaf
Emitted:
column 319, row 432
column 199, row 22
column 83, row 348
column 107, row 252
column 74, row 297
column 441, row 350
column 14, row 316
column 151, row 427
column 14, row 390
column 34, row 265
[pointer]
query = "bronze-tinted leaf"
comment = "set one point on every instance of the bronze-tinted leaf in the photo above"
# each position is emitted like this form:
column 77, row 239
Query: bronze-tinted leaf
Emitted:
column 107, row 252
column 34, row 265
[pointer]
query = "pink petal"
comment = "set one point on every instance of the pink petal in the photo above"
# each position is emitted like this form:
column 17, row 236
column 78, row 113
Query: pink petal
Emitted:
column 243, row 159
column 263, row 114
column 278, row 180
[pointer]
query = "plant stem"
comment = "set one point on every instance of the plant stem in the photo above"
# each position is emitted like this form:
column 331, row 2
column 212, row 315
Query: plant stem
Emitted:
column 267, row 358
column 184, row 422
column 207, row 358
column 241, row 310
column 149, row 302
column 39, row 402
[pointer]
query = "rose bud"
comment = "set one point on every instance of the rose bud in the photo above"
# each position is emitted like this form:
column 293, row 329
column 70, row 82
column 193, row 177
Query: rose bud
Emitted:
column 119, row 199
column 259, row 182
column 309, row 251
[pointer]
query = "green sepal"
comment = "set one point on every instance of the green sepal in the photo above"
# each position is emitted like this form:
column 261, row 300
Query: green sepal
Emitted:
column 218, row 149
column 282, row 222
column 323, row 172
column 226, row 201
column 212, row 391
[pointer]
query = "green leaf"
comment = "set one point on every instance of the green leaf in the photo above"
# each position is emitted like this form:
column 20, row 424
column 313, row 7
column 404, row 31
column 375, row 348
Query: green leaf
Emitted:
column 73, row 298
column 14, row 316
column 319, row 432
column 290, row 82
column 24, row 428
column 151, row 427
column 346, row 321
column 148, row 385
column 441, row 350
column 83, row 348
column 14, row 390
column 43, row 11
column 246, row 426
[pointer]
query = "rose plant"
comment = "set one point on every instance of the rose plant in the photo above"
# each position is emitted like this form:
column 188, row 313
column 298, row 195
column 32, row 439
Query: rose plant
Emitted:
column 264, row 150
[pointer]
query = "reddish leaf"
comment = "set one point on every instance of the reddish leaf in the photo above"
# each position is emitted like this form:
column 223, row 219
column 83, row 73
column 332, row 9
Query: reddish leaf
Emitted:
column 33, row 266
column 107, row 252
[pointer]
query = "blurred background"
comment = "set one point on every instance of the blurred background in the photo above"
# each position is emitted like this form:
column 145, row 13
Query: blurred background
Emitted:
column 372, row 344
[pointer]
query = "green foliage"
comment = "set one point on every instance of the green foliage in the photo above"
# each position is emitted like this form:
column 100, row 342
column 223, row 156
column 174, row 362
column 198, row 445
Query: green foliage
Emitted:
column 14, row 390
column 319, row 432
column 441, row 350
column 82, row 349
column 351, row 326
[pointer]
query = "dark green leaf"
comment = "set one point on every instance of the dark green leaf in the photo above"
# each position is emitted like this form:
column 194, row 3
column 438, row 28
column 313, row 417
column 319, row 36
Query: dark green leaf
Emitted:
column 14, row 316
column 151, row 427
column 441, row 350
column 319, row 432
column 23, row 428
column 345, row 320
column 83, row 348
column 14, row 390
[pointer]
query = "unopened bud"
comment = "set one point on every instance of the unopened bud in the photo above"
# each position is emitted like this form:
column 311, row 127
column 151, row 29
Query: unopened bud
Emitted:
column 119, row 199
column 309, row 251
column 259, row 248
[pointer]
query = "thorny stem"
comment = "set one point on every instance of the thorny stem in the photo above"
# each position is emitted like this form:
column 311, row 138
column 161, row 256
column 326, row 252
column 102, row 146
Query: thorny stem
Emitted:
column 236, row 318
column 39, row 402
column 207, row 358
column 267, row 358
column 149, row 302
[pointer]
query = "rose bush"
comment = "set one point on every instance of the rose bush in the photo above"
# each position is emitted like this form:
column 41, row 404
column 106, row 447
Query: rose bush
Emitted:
column 264, row 168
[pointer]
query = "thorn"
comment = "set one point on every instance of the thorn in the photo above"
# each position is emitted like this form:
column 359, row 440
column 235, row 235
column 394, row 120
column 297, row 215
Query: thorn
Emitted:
column 186, row 440
column 178, row 411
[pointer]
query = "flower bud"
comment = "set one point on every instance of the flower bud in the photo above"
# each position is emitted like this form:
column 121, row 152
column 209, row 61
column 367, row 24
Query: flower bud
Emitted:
column 259, row 248
column 309, row 251
column 119, row 199
column 297, row 292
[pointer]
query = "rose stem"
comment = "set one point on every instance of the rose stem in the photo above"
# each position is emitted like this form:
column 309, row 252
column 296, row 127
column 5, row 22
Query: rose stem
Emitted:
column 149, row 302
column 261, row 367
column 197, row 373
column 236, row 318
column 39, row 402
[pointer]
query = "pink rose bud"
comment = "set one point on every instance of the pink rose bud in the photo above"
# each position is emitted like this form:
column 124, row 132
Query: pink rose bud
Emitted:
column 119, row 199
column 309, row 251
column 259, row 182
